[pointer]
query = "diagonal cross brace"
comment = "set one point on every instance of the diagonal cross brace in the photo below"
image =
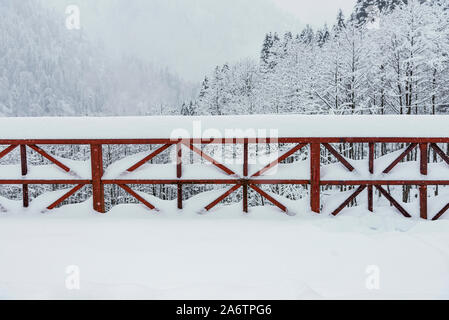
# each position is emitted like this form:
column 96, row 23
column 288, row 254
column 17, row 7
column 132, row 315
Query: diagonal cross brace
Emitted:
column 338, row 156
column 401, row 156
column 148, row 158
column 347, row 201
column 278, row 160
column 209, row 158
column 137, row 196
column 441, row 212
column 49, row 157
column 393, row 201
column 270, row 198
column 222, row 197
column 440, row 152
column 8, row 150
column 65, row 196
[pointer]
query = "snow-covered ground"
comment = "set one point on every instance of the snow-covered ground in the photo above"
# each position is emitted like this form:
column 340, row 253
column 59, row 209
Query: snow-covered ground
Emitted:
column 132, row 252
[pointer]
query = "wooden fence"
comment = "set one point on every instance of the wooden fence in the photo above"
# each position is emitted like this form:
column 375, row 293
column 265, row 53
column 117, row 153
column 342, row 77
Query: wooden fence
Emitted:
column 244, row 181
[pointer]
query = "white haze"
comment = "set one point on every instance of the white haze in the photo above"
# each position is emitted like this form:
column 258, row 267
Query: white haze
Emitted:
column 191, row 37
column 317, row 12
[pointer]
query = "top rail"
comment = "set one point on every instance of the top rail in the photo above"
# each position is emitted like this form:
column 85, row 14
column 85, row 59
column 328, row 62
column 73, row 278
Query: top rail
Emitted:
column 227, row 140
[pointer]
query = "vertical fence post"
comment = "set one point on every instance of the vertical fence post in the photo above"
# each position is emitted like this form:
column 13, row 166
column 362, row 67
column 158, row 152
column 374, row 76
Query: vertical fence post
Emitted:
column 423, row 201
column 245, row 174
column 179, row 172
column 371, row 171
column 315, row 177
column 23, row 162
column 96, row 156
column 423, row 164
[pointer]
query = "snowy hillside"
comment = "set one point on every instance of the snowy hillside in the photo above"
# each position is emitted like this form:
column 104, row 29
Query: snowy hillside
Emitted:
column 394, row 64
column 45, row 69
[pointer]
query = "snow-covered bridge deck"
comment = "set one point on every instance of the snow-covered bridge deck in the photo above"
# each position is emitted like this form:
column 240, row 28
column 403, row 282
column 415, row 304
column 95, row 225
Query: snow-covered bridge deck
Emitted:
column 313, row 136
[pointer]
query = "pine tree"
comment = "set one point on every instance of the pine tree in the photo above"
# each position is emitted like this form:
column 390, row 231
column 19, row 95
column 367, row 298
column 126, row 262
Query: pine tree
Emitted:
column 266, row 48
column 340, row 22
column 322, row 35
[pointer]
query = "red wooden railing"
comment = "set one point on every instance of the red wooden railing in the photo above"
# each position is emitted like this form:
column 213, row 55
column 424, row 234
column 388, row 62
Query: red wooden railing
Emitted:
column 245, row 181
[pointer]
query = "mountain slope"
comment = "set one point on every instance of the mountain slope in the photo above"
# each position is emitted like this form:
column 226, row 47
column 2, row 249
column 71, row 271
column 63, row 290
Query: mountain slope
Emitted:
column 45, row 69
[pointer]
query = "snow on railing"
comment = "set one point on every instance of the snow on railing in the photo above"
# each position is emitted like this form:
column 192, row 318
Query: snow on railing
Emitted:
column 367, row 175
column 240, row 126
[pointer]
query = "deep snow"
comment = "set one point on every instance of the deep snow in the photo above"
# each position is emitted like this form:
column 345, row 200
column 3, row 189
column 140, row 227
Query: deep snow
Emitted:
column 132, row 252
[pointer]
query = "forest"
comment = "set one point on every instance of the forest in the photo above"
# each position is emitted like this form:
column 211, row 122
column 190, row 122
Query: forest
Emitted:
column 387, row 57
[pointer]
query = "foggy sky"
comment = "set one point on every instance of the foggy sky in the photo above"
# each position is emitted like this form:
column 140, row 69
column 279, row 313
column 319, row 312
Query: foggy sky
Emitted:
column 191, row 37
column 316, row 12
